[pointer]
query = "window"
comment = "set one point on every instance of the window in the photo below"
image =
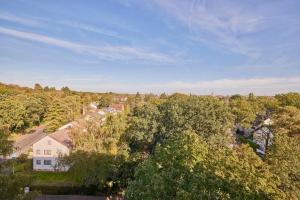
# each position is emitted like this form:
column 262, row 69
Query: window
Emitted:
column 38, row 152
column 47, row 162
column 47, row 152
column 49, row 142
column 38, row 162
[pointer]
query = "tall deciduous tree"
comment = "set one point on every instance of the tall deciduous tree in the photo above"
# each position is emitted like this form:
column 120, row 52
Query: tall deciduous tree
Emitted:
column 11, row 186
column 153, row 124
column 13, row 113
column 289, row 99
column 283, row 156
column 186, row 167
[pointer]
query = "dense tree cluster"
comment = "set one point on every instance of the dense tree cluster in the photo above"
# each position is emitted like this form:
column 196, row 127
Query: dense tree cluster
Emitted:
column 22, row 108
column 11, row 185
column 186, row 164
column 186, row 167
column 168, row 146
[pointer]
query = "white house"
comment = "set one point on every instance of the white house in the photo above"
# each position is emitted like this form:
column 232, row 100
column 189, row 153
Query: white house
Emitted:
column 263, row 136
column 48, row 150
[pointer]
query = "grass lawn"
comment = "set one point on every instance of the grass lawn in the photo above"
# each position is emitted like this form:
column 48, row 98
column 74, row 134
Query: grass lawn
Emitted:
column 52, row 179
column 42, row 178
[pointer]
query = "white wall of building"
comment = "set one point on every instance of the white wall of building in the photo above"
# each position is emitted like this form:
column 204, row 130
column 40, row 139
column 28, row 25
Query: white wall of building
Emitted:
column 48, row 150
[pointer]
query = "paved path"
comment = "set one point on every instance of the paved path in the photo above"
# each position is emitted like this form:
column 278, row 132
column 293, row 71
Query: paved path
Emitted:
column 68, row 197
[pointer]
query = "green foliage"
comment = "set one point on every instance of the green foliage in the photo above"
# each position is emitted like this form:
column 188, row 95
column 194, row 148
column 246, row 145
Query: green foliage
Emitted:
column 38, row 87
column 187, row 168
column 289, row 99
column 283, row 156
column 284, row 160
column 244, row 111
column 105, row 101
column 287, row 121
column 94, row 169
column 11, row 186
column 249, row 142
column 154, row 123
column 162, row 175
column 66, row 90
column 206, row 116
column 94, row 137
column 143, row 127
column 5, row 144
column 61, row 111
column 13, row 113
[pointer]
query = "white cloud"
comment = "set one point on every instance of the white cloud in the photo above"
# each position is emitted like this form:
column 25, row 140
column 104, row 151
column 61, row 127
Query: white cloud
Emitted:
column 107, row 52
column 216, row 23
column 19, row 20
column 92, row 29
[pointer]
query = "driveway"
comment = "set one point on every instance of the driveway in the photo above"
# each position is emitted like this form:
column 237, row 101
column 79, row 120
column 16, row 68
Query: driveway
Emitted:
column 68, row 197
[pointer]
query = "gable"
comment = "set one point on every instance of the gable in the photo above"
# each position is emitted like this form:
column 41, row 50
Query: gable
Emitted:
column 50, row 142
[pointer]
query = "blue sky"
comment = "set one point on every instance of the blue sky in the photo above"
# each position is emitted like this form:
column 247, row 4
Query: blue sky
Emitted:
column 195, row 46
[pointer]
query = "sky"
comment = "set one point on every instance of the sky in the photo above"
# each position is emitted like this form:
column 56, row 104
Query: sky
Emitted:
column 190, row 46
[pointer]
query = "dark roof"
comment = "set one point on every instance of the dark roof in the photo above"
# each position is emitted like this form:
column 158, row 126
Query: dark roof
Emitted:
column 26, row 141
column 62, row 136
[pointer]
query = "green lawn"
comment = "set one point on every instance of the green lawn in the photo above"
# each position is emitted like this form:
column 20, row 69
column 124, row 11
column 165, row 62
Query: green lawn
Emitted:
column 42, row 178
column 52, row 179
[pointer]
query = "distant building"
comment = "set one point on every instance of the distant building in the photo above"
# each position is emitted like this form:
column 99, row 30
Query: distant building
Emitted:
column 48, row 150
column 114, row 108
column 263, row 136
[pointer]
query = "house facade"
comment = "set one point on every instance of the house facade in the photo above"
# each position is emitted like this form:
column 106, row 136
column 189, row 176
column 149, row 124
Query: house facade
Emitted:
column 48, row 150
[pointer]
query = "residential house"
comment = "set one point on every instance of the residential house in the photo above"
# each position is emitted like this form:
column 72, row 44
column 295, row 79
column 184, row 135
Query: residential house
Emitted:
column 48, row 150
column 114, row 108
column 263, row 136
column 23, row 144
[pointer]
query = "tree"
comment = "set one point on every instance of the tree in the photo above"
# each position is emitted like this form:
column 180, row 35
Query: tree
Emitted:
column 283, row 156
column 143, row 127
column 104, row 138
column 13, row 113
column 186, row 167
column 11, row 186
column 5, row 144
column 243, row 111
column 35, row 108
column 105, row 101
column 92, row 169
column 61, row 111
column 154, row 123
column 38, row 87
column 66, row 90
column 206, row 116
column 289, row 99
column 98, row 153
column 163, row 96
column 287, row 121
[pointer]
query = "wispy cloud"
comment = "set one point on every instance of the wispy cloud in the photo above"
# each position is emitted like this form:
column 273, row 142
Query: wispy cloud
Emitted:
column 107, row 52
column 216, row 24
column 92, row 29
column 13, row 18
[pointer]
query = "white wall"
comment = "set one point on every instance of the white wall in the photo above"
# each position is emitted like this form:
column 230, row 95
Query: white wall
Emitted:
column 56, row 148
